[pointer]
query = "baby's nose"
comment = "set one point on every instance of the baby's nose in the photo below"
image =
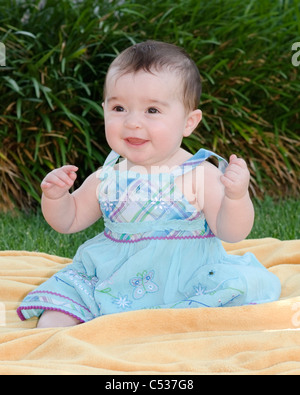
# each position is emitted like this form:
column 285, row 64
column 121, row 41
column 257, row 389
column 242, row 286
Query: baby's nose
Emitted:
column 133, row 121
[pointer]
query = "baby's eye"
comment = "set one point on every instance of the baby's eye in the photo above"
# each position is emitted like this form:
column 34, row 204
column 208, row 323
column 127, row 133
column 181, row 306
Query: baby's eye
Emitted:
column 152, row 110
column 118, row 109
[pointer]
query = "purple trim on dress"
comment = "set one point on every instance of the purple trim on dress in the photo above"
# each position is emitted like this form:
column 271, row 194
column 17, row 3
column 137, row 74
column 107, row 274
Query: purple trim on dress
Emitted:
column 22, row 318
column 61, row 296
column 209, row 236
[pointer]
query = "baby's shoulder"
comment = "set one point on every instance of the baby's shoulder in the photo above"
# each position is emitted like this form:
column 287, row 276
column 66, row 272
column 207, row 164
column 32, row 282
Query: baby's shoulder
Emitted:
column 210, row 166
column 207, row 178
column 208, row 170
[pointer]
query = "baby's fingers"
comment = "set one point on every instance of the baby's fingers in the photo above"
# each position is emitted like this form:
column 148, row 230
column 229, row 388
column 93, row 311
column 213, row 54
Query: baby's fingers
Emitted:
column 65, row 176
column 234, row 160
column 69, row 174
column 227, row 180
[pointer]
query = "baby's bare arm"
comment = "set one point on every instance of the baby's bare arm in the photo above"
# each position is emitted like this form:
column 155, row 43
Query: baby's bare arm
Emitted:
column 65, row 212
column 227, row 205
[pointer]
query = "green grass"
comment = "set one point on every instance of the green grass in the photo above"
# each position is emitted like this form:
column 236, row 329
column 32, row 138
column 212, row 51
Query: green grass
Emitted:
column 279, row 220
column 30, row 232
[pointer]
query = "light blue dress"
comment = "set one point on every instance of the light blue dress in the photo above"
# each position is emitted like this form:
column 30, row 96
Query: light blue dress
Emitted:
column 156, row 251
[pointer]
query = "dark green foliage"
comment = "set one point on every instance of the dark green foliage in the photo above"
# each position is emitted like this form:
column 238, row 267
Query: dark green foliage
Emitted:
column 58, row 53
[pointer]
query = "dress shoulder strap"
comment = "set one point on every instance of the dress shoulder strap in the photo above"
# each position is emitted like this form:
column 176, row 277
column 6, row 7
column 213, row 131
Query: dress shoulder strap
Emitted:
column 111, row 160
column 196, row 160
column 108, row 165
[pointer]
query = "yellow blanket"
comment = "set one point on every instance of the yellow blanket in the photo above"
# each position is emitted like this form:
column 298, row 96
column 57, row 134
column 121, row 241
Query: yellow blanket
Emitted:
column 262, row 339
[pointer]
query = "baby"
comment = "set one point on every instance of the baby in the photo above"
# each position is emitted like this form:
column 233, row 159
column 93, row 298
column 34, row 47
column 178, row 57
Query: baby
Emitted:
column 165, row 210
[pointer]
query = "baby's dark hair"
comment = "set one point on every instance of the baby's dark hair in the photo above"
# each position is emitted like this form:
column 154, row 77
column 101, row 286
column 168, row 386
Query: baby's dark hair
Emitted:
column 156, row 56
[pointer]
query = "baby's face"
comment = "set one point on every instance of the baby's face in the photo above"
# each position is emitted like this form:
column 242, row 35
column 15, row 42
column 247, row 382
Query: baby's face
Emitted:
column 145, row 118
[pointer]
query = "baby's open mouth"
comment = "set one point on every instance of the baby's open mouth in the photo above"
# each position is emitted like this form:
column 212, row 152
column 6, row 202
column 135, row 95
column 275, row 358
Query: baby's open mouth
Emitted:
column 136, row 141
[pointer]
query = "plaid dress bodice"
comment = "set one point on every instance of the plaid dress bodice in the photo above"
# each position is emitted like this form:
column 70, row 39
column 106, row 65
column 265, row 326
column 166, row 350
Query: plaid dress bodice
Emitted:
column 150, row 206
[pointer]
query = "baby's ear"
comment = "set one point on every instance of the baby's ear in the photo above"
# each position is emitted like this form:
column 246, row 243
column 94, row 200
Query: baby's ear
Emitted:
column 193, row 120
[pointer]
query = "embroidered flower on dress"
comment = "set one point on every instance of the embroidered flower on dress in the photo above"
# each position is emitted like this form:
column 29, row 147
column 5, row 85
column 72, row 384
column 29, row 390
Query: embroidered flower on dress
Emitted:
column 199, row 290
column 122, row 301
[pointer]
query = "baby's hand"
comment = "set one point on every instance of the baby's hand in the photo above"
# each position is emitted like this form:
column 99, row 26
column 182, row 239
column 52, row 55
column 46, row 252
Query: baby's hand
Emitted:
column 236, row 178
column 57, row 183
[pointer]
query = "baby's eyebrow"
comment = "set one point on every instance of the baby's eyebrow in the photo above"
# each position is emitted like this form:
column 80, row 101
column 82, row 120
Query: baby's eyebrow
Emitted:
column 146, row 101
column 158, row 102
column 113, row 98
